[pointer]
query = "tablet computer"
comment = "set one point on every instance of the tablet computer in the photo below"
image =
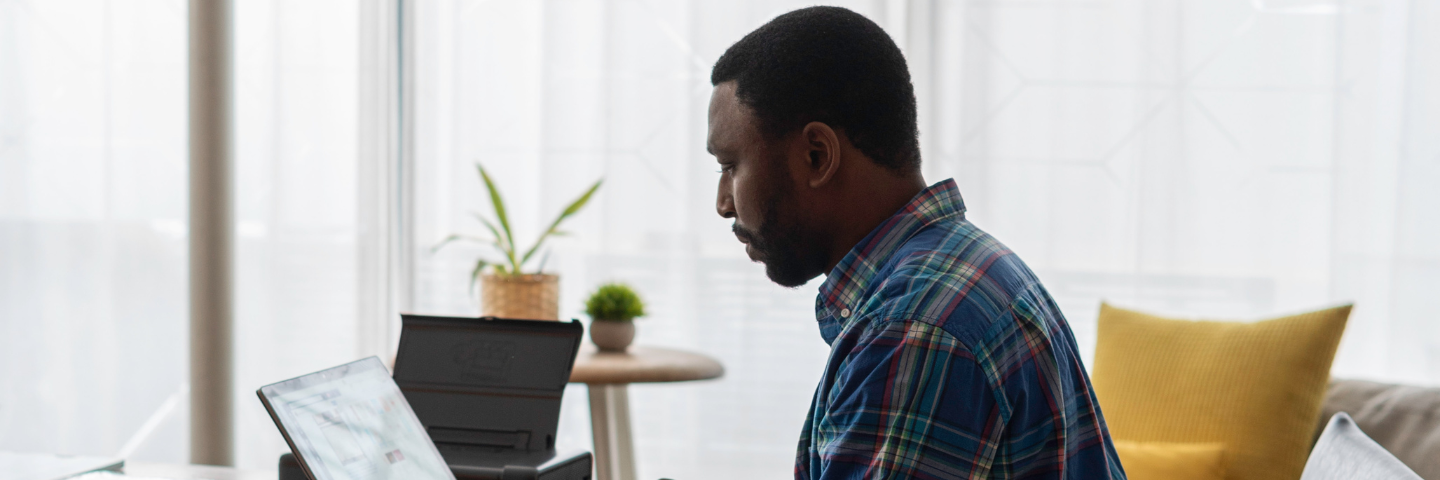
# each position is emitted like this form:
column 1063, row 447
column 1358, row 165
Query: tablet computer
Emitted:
column 352, row 423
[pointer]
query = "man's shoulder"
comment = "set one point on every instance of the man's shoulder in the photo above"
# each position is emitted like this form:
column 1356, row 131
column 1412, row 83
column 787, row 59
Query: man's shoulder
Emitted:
column 956, row 277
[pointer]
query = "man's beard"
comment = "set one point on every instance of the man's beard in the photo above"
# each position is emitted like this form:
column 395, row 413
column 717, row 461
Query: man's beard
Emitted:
column 790, row 258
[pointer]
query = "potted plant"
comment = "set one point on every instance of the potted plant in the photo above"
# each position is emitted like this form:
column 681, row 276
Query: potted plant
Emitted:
column 613, row 309
column 506, row 288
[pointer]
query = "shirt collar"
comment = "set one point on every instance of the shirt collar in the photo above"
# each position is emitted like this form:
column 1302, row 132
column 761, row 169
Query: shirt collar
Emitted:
column 841, row 293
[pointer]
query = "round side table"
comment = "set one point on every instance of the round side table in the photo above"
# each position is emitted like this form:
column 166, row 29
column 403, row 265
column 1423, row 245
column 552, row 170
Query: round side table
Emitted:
column 606, row 375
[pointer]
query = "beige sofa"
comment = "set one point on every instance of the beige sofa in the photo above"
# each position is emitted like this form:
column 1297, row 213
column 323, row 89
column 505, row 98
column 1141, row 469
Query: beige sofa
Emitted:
column 1403, row 419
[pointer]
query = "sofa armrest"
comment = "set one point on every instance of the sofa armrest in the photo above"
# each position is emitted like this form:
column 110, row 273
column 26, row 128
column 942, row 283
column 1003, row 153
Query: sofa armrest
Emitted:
column 1404, row 419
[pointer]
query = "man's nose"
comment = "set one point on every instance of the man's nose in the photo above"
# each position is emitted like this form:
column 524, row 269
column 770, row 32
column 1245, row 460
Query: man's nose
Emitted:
column 724, row 204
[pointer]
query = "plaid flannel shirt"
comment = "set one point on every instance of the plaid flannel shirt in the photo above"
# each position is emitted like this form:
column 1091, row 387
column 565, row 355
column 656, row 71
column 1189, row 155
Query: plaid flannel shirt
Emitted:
column 949, row 360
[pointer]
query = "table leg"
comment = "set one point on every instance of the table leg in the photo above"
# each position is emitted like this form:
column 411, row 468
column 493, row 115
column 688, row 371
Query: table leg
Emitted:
column 610, row 426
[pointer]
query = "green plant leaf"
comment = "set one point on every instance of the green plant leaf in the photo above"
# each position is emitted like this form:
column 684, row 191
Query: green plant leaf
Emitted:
column 499, row 239
column 614, row 302
column 569, row 211
column 499, row 205
column 454, row 238
column 580, row 202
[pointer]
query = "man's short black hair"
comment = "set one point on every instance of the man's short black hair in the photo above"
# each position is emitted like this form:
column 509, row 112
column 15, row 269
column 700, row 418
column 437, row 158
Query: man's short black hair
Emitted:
column 830, row 65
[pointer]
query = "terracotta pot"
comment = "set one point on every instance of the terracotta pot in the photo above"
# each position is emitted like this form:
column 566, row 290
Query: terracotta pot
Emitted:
column 533, row 297
column 612, row 336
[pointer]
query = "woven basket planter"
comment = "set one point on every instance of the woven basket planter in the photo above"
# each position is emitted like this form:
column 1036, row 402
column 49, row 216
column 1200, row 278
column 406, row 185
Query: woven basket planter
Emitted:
column 533, row 297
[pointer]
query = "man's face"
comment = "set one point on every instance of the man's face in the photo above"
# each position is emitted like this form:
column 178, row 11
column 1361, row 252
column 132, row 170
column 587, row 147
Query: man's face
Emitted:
column 756, row 191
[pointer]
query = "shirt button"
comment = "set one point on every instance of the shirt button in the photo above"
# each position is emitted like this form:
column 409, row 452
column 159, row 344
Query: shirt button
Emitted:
column 844, row 313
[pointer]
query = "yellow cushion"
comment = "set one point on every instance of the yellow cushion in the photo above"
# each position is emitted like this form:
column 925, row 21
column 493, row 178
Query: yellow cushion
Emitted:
column 1254, row 387
column 1172, row 461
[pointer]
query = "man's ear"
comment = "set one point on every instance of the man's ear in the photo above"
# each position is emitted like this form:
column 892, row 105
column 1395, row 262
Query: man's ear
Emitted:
column 822, row 153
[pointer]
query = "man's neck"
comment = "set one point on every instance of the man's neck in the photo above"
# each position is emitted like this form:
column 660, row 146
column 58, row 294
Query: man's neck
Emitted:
column 861, row 211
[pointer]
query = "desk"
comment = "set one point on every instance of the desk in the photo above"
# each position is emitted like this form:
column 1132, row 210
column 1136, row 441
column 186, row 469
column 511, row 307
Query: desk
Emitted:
column 606, row 375
column 193, row 472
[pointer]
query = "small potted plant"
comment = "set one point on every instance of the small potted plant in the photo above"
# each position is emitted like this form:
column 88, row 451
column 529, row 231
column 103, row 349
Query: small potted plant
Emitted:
column 506, row 288
column 613, row 309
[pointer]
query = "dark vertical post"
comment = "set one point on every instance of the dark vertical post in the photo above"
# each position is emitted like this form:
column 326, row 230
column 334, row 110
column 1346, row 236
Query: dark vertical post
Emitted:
column 211, row 233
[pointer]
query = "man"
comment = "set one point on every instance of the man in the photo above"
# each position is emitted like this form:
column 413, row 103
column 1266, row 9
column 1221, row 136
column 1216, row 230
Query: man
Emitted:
column 949, row 359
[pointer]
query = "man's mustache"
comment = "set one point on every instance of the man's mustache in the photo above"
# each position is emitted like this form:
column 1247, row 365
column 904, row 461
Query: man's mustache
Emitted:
column 745, row 235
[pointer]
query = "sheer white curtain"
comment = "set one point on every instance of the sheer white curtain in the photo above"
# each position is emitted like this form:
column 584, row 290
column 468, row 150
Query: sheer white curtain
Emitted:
column 1224, row 158
column 297, row 204
column 93, row 316
column 92, row 207
column 1233, row 159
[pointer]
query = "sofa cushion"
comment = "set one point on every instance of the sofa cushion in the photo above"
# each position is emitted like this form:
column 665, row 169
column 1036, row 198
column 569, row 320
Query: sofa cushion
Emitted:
column 1403, row 419
column 1255, row 387
column 1171, row 461
column 1345, row 453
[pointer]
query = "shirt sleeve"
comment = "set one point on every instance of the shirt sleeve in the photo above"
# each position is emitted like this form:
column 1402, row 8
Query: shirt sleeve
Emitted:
column 1053, row 428
column 910, row 401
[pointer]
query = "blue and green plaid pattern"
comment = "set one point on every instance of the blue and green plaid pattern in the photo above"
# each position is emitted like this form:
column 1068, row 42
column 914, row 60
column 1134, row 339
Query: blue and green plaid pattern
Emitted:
column 949, row 360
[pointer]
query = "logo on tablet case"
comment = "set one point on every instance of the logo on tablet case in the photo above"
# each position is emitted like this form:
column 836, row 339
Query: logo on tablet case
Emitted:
column 483, row 360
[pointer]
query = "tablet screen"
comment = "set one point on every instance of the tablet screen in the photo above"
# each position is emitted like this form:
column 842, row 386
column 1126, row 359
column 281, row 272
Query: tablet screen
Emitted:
column 352, row 423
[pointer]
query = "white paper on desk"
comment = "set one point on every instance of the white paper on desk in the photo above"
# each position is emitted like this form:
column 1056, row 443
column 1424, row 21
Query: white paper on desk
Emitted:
column 41, row 466
column 108, row 475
